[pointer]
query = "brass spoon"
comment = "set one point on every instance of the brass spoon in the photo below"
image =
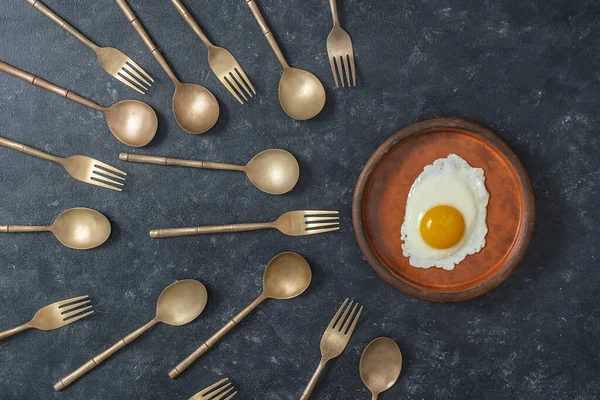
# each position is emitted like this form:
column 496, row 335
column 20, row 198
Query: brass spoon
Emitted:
column 301, row 94
column 195, row 107
column 273, row 171
column 77, row 228
column 287, row 276
column 380, row 365
column 132, row 122
column 180, row 303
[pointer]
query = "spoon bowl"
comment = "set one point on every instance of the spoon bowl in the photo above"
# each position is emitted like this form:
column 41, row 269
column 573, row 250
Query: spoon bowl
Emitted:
column 273, row 171
column 380, row 365
column 287, row 276
column 132, row 122
column 81, row 228
column 301, row 94
column 196, row 109
column 181, row 302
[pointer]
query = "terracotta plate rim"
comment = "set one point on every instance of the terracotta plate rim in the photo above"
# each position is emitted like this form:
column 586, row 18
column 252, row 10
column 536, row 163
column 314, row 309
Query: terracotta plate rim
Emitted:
column 377, row 157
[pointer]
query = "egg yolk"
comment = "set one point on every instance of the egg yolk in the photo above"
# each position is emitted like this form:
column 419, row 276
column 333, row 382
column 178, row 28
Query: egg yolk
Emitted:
column 442, row 227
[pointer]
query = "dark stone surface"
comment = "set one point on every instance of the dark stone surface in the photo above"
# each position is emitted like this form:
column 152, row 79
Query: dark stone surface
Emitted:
column 528, row 70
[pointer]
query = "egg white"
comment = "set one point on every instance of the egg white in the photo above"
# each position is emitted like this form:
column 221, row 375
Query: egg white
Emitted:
column 447, row 181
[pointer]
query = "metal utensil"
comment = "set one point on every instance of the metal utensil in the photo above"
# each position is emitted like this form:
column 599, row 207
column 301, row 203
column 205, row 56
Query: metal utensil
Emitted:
column 76, row 228
column 301, row 94
column 132, row 122
column 113, row 61
column 180, row 303
column 55, row 316
column 82, row 168
column 273, row 171
column 222, row 63
column 287, row 276
column 196, row 109
column 335, row 339
column 292, row 223
column 218, row 391
column 380, row 365
column 340, row 51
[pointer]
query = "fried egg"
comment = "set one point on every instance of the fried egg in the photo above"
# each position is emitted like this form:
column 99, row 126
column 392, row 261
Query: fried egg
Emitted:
column 445, row 219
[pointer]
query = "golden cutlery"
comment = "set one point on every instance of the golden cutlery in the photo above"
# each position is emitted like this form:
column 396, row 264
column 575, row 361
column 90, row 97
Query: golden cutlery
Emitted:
column 180, row 303
column 273, row 171
column 82, row 168
column 340, row 51
column 218, row 391
column 113, row 61
column 196, row 109
column 76, row 228
column 222, row 63
column 334, row 340
column 301, row 94
column 292, row 223
column 287, row 276
column 132, row 122
column 55, row 316
column 380, row 365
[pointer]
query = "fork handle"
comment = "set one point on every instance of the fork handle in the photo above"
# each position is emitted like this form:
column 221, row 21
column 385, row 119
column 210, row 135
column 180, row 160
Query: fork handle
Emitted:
column 39, row 82
column 137, row 25
column 178, row 162
column 38, row 5
column 313, row 381
column 191, row 22
column 14, row 331
column 334, row 12
column 182, row 366
column 201, row 230
column 28, row 150
column 267, row 32
column 94, row 362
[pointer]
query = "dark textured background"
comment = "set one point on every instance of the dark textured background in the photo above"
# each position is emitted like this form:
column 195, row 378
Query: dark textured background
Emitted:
column 529, row 70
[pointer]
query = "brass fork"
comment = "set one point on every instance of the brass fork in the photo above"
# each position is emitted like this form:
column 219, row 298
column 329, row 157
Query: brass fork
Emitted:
column 334, row 340
column 339, row 49
column 117, row 64
column 82, row 168
column 222, row 63
column 293, row 223
column 216, row 392
column 55, row 316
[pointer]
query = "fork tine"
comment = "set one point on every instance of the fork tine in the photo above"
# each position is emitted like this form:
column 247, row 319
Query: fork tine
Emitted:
column 349, row 319
column 225, row 83
column 332, row 63
column 242, row 85
column 311, row 219
column 108, row 167
column 353, row 67
column 231, row 397
column 103, row 172
column 222, row 395
column 211, row 387
column 130, row 71
column 337, row 314
column 95, row 181
column 70, row 321
column 351, row 330
column 322, row 225
column 234, row 83
column 72, row 306
column 317, row 212
column 105, row 179
column 347, row 69
column 136, row 66
column 125, row 81
column 322, row 230
column 73, row 300
column 342, row 319
column 75, row 313
column 241, row 72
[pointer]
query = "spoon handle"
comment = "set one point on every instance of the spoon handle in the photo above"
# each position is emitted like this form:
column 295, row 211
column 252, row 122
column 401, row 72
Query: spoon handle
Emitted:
column 202, row 230
column 313, row 380
column 38, row 5
column 34, row 80
column 23, row 228
column 178, row 162
column 182, row 366
column 28, row 150
column 191, row 22
column 94, row 362
column 133, row 20
column 14, row 331
column 267, row 31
